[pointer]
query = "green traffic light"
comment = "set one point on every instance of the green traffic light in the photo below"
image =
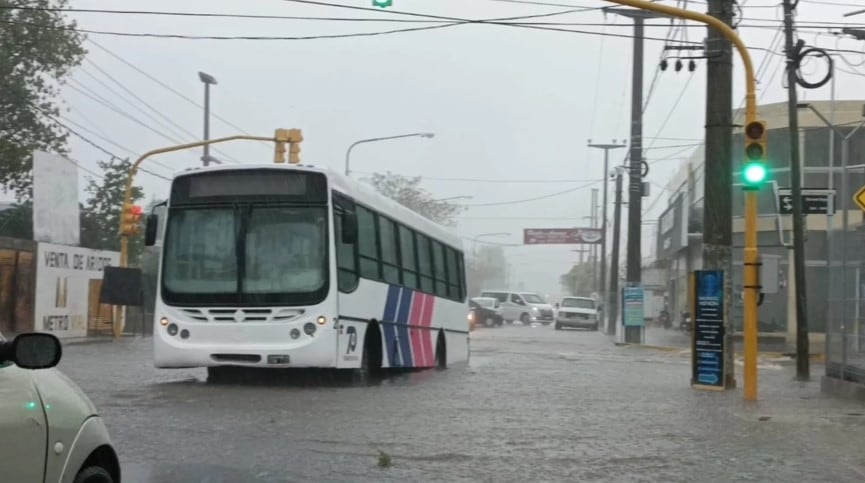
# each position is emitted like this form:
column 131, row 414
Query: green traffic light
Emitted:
column 754, row 173
column 382, row 3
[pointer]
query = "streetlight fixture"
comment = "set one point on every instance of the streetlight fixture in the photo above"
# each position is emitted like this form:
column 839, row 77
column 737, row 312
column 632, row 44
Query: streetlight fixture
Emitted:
column 207, row 80
column 427, row 135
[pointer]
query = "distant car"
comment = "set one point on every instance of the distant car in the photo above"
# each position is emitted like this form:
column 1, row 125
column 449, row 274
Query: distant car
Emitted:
column 49, row 430
column 526, row 307
column 487, row 312
column 577, row 312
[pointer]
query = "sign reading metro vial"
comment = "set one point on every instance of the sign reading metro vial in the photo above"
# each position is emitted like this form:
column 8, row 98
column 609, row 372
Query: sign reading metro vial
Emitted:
column 68, row 281
column 561, row 236
column 707, row 356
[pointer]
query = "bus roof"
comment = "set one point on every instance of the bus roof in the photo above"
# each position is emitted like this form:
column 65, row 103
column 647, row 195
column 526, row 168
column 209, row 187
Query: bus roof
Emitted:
column 360, row 192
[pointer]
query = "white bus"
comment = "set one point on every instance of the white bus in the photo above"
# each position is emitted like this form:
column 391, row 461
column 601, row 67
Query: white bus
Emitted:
column 292, row 266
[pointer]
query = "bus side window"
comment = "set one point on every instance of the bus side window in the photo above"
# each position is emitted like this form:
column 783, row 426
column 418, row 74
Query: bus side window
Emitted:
column 346, row 261
column 454, row 273
column 367, row 244
column 407, row 257
column 424, row 258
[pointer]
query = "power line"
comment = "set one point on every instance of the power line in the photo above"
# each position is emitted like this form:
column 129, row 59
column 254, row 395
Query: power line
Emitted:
column 167, row 87
column 157, row 112
column 316, row 37
column 537, row 198
column 95, row 145
column 495, row 180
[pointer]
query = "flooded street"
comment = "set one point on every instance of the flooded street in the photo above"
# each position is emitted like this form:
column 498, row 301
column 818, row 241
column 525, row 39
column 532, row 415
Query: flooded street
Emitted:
column 534, row 404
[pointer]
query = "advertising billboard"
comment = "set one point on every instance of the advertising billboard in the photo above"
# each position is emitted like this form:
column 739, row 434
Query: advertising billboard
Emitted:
column 68, row 283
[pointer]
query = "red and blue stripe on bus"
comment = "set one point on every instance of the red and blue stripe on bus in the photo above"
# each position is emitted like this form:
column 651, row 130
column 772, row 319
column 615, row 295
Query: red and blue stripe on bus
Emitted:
column 408, row 311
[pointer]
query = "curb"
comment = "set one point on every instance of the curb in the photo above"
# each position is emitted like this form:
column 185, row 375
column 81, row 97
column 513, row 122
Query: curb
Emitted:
column 667, row 348
column 94, row 340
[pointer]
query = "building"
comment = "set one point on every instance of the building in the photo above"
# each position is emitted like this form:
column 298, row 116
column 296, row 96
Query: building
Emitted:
column 831, row 298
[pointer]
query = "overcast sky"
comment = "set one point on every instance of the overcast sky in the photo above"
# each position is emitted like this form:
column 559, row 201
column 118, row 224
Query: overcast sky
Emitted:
column 505, row 103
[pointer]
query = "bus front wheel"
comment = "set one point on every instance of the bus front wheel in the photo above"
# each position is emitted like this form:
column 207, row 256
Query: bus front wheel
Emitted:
column 370, row 364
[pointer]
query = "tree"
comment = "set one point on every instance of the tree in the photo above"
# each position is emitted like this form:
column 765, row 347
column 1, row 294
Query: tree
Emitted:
column 487, row 269
column 100, row 219
column 38, row 48
column 578, row 280
column 17, row 221
column 407, row 192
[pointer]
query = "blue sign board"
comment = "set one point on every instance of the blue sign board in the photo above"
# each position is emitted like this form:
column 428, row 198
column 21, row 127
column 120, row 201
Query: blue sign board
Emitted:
column 632, row 307
column 707, row 359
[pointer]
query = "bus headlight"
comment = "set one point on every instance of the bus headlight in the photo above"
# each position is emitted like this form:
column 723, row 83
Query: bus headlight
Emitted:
column 295, row 333
column 309, row 328
column 321, row 320
column 172, row 329
column 163, row 321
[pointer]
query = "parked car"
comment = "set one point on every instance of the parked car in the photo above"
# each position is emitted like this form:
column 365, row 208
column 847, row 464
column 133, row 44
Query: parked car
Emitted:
column 526, row 307
column 49, row 430
column 577, row 312
column 487, row 311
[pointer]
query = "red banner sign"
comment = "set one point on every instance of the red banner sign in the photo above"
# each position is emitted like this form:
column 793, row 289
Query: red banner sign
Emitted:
column 561, row 236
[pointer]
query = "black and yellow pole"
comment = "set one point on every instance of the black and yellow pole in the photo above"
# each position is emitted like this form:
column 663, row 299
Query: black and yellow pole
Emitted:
column 127, row 228
column 751, row 257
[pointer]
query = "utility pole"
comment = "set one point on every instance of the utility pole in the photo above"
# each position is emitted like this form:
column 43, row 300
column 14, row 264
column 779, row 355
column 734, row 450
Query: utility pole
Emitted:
column 582, row 251
column 718, row 178
column 605, row 293
column 593, row 250
column 613, row 308
column 803, row 371
column 635, row 166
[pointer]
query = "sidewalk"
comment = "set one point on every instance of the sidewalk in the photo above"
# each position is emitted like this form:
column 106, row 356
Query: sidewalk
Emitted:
column 669, row 339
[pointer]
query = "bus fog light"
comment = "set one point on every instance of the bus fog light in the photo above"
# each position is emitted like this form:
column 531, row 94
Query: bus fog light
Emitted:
column 163, row 321
column 184, row 334
column 309, row 328
column 321, row 320
column 295, row 333
column 172, row 329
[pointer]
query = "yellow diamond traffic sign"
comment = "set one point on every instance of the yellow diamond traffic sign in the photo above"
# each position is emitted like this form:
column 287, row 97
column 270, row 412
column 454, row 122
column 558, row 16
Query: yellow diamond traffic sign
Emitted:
column 859, row 198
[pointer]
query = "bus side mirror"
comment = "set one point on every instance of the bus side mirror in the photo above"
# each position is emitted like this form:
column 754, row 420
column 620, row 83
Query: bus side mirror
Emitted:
column 349, row 228
column 150, row 230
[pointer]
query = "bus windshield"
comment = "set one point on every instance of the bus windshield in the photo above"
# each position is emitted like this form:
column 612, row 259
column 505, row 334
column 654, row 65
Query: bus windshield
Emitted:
column 246, row 254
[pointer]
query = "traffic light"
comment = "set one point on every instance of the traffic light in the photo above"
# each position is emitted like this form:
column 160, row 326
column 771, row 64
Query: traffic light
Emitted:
column 130, row 219
column 754, row 169
column 382, row 3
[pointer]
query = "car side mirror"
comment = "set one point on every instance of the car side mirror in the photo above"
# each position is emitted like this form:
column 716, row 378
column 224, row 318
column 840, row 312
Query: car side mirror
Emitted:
column 32, row 351
column 349, row 228
column 150, row 228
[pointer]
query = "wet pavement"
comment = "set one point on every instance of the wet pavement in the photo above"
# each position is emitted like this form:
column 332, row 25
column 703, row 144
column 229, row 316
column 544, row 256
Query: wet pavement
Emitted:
column 533, row 404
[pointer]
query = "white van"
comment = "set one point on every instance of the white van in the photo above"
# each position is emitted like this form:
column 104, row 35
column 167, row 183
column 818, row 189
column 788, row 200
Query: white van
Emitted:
column 527, row 307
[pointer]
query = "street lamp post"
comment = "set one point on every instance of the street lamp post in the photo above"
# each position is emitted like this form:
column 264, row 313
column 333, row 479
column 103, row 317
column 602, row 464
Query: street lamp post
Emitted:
column 427, row 135
column 208, row 80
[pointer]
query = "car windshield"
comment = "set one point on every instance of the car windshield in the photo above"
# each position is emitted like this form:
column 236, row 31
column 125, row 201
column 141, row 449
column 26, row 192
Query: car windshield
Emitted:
column 253, row 254
column 532, row 298
column 578, row 303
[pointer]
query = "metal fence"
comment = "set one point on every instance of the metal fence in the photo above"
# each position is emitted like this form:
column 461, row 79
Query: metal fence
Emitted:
column 845, row 310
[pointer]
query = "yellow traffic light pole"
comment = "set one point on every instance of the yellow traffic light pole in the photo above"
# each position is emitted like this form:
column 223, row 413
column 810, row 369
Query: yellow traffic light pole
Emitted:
column 751, row 281
column 281, row 136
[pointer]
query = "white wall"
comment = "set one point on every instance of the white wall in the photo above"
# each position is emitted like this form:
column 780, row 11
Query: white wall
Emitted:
column 63, row 275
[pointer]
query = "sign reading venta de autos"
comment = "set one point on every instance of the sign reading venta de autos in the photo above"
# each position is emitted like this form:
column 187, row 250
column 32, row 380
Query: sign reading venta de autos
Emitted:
column 68, row 280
